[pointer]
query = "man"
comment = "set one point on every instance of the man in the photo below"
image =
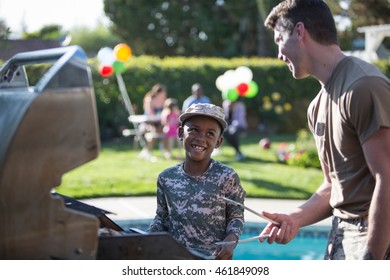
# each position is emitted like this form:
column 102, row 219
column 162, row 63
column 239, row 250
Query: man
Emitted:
column 196, row 97
column 350, row 120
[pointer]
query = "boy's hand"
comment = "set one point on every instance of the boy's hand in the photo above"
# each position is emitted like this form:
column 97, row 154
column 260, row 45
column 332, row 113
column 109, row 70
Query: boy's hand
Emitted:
column 225, row 252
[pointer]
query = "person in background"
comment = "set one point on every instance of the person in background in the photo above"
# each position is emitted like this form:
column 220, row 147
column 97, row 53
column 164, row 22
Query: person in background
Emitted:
column 197, row 96
column 170, row 121
column 350, row 121
column 235, row 112
column 189, row 195
column 155, row 98
column 153, row 105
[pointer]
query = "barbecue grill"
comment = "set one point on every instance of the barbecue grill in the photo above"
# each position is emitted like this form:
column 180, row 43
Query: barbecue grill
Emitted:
column 46, row 130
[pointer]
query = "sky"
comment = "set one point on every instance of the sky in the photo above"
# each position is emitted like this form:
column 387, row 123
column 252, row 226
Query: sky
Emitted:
column 34, row 14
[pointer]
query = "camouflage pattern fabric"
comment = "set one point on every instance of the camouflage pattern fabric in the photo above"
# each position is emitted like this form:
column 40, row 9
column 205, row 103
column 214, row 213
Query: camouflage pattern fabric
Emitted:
column 190, row 208
column 347, row 239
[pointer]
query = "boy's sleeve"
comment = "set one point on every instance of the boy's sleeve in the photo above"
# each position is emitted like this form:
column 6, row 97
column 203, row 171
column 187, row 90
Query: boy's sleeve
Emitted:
column 160, row 221
column 235, row 214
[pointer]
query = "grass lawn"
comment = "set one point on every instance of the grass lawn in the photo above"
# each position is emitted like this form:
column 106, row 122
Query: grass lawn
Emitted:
column 120, row 171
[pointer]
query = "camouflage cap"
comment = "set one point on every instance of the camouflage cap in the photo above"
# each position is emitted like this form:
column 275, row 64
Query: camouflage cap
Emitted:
column 205, row 109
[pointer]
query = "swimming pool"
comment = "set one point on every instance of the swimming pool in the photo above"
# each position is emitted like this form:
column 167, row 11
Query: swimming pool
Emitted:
column 309, row 244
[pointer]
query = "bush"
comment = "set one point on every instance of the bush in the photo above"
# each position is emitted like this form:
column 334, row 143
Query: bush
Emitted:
column 303, row 153
column 179, row 73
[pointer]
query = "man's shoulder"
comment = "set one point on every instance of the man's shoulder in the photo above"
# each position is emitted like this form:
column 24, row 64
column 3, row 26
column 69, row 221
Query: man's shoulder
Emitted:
column 358, row 66
column 205, row 99
column 189, row 98
column 187, row 102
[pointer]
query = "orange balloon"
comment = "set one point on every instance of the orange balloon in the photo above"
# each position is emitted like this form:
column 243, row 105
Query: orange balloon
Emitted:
column 122, row 52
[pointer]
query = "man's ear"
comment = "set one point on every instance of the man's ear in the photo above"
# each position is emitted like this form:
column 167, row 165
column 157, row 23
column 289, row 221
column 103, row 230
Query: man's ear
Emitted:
column 300, row 29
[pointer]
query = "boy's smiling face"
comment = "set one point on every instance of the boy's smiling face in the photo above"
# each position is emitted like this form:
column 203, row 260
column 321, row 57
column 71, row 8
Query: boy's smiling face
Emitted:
column 201, row 135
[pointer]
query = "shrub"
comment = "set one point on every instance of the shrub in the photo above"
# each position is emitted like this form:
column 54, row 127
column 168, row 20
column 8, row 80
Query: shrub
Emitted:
column 302, row 153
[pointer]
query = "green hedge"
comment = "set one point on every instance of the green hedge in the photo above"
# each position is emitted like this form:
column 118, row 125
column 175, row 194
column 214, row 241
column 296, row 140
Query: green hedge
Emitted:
column 179, row 73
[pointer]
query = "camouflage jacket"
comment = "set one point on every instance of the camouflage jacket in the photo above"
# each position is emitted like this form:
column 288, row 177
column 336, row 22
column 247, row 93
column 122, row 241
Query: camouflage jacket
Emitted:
column 191, row 210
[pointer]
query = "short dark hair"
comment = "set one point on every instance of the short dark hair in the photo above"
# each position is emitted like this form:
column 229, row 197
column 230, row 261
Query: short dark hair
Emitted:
column 315, row 15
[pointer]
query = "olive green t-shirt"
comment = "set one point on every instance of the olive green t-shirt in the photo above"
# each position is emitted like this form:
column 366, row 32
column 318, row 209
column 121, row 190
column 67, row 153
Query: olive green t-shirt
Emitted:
column 350, row 108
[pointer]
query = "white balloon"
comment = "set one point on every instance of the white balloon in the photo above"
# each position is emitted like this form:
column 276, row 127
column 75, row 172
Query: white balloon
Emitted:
column 220, row 83
column 106, row 56
column 244, row 74
column 230, row 79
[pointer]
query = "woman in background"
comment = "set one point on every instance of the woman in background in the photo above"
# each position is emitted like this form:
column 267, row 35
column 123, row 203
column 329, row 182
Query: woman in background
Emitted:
column 153, row 105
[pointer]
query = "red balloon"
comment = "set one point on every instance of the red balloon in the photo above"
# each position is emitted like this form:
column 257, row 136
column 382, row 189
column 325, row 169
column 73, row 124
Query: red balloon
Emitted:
column 106, row 70
column 242, row 89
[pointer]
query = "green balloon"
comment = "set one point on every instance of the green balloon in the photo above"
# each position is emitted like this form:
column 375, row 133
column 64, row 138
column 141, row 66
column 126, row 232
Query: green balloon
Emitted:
column 232, row 94
column 119, row 67
column 253, row 89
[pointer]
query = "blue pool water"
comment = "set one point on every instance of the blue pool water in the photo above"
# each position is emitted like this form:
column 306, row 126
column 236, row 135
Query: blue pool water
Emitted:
column 309, row 244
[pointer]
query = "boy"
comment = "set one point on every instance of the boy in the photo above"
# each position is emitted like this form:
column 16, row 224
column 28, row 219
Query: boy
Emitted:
column 189, row 204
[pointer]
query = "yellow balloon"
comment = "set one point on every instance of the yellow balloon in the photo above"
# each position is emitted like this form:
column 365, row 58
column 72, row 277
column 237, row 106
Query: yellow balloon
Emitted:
column 122, row 52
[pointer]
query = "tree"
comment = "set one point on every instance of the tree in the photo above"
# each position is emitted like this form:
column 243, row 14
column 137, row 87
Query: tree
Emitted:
column 359, row 13
column 47, row 32
column 92, row 40
column 369, row 12
column 264, row 36
column 186, row 27
column 376, row 12
column 221, row 27
column 4, row 30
